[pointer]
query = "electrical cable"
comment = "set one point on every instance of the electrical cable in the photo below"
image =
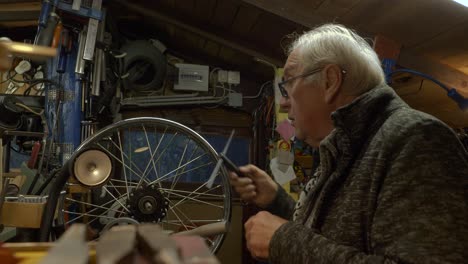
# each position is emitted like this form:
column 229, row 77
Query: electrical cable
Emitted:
column 29, row 109
column 459, row 99
column 259, row 92
column 8, row 79
column 426, row 76
column 47, row 181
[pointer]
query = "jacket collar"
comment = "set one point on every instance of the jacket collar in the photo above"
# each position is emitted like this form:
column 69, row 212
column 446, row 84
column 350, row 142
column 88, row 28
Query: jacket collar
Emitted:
column 355, row 122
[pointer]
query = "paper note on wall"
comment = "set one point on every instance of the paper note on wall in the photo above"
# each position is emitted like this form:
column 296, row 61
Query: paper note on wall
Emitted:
column 281, row 175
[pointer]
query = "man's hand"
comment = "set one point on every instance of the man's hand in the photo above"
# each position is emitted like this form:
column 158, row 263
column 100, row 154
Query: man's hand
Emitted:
column 259, row 230
column 257, row 187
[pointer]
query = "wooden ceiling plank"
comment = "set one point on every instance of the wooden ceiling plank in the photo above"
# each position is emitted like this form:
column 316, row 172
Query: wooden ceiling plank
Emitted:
column 224, row 14
column 296, row 11
column 336, row 8
column 386, row 48
column 245, row 20
column 19, row 7
column 433, row 100
column 243, row 48
column 270, row 37
column 204, row 9
column 400, row 19
column 16, row 24
column 445, row 74
column 450, row 43
column 185, row 7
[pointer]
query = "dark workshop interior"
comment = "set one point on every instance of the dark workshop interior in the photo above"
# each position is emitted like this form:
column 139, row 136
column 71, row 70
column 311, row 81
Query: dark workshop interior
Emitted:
column 117, row 114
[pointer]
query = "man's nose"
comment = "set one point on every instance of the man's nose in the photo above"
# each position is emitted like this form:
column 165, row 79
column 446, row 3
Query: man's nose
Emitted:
column 285, row 103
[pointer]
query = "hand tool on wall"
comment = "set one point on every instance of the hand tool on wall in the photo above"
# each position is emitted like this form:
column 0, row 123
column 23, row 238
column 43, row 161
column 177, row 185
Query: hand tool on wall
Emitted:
column 91, row 34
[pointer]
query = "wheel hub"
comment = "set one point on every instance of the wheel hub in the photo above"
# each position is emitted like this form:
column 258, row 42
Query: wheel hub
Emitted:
column 148, row 204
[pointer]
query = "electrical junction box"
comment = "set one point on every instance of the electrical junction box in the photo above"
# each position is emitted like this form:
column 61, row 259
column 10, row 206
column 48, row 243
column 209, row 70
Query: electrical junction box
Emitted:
column 234, row 77
column 235, row 99
column 222, row 76
column 192, row 77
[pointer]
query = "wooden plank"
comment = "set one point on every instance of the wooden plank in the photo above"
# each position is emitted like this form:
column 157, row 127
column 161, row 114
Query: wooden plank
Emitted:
column 224, row 14
column 22, row 214
column 204, row 9
column 268, row 37
column 201, row 30
column 20, row 7
column 400, row 19
column 445, row 74
column 336, row 8
column 296, row 11
column 428, row 97
column 6, row 16
column 246, row 19
column 450, row 47
column 17, row 24
column 185, row 7
column 386, row 48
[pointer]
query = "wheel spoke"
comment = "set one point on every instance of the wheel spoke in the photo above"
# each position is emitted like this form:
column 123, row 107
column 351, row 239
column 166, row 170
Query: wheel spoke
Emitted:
column 117, row 159
column 119, row 181
column 117, row 200
column 85, row 214
column 168, row 175
column 197, row 221
column 177, row 216
column 158, row 152
column 127, row 157
column 199, row 193
column 197, row 200
column 113, row 186
column 145, row 173
column 152, row 154
column 93, row 205
column 176, row 179
column 182, row 213
column 124, row 170
column 201, row 186
column 177, row 176
column 92, row 210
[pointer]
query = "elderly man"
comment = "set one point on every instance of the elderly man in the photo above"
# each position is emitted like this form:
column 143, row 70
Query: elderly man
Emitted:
column 392, row 183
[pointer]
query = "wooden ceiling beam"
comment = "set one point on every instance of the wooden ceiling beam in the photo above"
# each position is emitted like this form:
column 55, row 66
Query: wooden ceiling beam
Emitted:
column 20, row 7
column 12, row 12
column 298, row 12
column 447, row 75
column 203, row 33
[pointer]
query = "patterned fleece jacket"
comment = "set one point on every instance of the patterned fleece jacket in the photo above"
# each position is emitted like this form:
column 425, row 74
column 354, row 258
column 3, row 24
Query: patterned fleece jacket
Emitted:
column 392, row 187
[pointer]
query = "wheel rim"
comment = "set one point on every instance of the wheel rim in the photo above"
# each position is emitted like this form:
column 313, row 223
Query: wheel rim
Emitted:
column 159, row 175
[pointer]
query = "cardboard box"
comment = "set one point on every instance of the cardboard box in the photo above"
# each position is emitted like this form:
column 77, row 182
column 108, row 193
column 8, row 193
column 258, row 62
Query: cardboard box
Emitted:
column 22, row 214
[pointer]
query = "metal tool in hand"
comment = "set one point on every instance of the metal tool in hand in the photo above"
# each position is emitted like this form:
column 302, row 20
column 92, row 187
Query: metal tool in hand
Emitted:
column 213, row 175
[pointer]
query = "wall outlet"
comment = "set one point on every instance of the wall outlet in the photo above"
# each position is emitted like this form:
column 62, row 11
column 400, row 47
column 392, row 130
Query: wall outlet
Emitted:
column 233, row 77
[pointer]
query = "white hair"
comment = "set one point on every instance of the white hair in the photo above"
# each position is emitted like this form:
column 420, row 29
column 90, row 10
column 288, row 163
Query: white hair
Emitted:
column 336, row 44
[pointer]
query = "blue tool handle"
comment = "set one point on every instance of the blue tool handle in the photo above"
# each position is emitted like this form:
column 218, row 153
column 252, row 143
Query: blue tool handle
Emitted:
column 45, row 12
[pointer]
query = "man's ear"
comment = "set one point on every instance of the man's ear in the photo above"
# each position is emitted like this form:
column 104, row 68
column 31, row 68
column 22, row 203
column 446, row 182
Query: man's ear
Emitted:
column 333, row 82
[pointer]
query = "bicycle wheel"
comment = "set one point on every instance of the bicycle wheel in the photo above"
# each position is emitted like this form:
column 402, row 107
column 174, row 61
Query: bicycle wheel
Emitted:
column 144, row 170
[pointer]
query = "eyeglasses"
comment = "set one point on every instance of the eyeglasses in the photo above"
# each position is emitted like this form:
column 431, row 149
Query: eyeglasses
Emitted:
column 283, row 83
